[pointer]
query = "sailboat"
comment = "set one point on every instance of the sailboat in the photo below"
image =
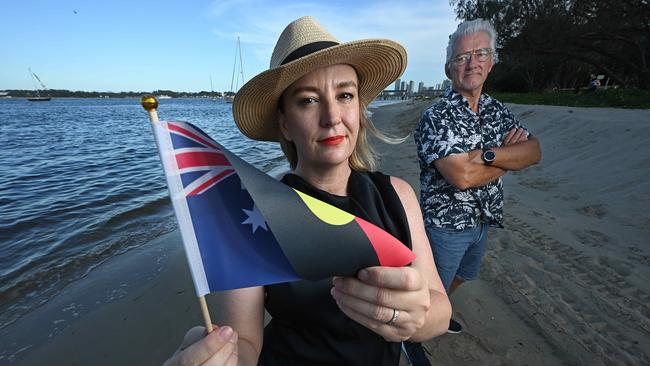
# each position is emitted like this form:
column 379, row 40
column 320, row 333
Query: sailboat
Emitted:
column 38, row 97
column 233, row 81
column 212, row 90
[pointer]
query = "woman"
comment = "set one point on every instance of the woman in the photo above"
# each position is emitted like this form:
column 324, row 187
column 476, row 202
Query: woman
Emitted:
column 313, row 100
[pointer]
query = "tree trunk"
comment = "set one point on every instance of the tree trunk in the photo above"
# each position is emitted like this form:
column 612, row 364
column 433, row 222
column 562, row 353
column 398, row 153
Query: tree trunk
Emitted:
column 644, row 80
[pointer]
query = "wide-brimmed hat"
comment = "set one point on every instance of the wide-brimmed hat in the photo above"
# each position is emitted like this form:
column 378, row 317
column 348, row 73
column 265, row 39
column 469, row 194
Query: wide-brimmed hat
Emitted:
column 303, row 47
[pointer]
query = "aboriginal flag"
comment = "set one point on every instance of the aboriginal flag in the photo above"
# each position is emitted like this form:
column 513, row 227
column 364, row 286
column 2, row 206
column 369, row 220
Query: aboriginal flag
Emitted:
column 242, row 228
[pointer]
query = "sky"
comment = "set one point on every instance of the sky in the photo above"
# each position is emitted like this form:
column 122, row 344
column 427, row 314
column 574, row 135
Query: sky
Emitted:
column 180, row 45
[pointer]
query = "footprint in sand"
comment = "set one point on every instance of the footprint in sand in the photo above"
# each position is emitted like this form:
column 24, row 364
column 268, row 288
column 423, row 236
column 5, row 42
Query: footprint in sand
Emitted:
column 567, row 197
column 525, row 113
column 539, row 184
column 593, row 238
column 620, row 267
column 597, row 211
column 511, row 200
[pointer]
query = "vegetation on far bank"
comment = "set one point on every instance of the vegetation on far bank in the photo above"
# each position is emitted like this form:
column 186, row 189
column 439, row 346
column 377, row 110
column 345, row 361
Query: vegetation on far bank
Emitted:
column 63, row 93
column 610, row 98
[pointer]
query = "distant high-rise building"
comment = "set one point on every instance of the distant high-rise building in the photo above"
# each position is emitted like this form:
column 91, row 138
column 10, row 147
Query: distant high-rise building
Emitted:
column 446, row 84
column 397, row 84
column 410, row 89
column 420, row 87
column 402, row 85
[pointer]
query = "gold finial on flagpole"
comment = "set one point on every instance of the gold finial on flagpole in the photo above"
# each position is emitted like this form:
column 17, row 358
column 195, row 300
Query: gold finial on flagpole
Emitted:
column 150, row 103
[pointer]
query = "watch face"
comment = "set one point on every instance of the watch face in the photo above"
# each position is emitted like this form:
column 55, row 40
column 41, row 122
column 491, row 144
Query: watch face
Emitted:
column 489, row 155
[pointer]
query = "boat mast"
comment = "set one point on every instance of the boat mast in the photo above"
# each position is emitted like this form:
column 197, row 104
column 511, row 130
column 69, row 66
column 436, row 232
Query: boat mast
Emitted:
column 234, row 67
column 241, row 64
column 35, row 78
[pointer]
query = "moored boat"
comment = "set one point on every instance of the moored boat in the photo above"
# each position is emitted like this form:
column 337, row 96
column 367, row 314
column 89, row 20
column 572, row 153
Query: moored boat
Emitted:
column 38, row 97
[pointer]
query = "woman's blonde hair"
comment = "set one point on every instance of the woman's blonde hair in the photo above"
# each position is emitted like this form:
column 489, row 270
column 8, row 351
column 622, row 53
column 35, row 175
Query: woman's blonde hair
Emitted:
column 363, row 158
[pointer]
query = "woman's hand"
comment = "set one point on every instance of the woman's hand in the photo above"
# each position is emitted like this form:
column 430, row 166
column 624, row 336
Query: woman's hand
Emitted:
column 199, row 348
column 392, row 302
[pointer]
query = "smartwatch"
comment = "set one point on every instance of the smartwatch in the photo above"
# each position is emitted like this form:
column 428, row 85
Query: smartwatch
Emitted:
column 488, row 156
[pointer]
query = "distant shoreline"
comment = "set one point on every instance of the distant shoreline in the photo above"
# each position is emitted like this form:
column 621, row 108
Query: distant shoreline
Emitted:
column 124, row 97
column 63, row 93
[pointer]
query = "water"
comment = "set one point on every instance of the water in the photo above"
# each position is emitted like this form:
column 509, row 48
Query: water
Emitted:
column 81, row 181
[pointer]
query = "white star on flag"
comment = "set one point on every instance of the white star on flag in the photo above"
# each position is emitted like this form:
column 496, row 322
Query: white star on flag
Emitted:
column 255, row 218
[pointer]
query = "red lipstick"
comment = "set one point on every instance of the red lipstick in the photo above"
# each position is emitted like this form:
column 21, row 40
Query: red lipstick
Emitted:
column 332, row 140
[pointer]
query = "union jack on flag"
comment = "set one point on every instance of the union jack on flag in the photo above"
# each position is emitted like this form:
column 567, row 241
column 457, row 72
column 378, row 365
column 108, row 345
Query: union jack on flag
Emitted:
column 196, row 153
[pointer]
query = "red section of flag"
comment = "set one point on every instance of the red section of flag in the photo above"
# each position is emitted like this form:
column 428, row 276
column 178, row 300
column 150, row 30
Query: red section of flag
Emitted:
column 210, row 182
column 200, row 159
column 390, row 251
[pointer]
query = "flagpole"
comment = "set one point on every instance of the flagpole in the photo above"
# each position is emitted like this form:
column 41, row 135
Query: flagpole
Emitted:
column 150, row 104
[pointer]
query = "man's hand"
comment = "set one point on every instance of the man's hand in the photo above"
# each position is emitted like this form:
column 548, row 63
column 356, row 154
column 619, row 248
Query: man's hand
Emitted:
column 514, row 136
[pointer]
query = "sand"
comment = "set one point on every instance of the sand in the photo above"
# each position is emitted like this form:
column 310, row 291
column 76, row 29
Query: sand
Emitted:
column 566, row 282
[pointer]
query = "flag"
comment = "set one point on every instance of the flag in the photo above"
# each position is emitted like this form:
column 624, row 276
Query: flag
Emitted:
column 242, row 228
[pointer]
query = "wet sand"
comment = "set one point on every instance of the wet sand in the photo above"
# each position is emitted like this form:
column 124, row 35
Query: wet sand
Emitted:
column 566, row 282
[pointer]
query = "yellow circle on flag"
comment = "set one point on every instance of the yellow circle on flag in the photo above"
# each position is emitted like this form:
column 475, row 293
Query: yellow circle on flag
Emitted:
column 324, row 211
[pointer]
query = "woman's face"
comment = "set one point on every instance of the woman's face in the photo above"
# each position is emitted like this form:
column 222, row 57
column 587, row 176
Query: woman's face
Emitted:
column 320, row 115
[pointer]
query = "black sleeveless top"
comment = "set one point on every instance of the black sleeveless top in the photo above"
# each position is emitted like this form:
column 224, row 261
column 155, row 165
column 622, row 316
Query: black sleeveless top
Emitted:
column 307, row 328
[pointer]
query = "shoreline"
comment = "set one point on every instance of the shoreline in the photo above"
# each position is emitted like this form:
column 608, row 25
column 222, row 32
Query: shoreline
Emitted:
column 563, row 283
column 117, row 307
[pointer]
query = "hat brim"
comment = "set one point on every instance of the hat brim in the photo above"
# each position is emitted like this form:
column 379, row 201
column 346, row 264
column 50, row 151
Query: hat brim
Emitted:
column 378, row 62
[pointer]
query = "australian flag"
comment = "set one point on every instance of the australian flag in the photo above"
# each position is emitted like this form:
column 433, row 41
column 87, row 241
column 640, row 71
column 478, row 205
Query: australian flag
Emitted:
column 228, row 242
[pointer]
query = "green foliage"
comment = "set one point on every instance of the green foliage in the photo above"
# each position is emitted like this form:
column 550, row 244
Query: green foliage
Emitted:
column 560, row 43
column 610, row 98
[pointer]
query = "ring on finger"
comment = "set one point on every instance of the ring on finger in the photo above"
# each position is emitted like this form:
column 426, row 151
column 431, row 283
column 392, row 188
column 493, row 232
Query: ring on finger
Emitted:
column 393, row 320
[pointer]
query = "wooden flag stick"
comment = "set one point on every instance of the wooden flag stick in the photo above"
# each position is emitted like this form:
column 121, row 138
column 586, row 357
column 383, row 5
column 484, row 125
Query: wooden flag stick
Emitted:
column 206, row 314
column 150, row 103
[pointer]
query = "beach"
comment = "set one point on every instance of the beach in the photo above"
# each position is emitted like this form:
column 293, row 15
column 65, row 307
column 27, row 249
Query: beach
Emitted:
column 565, row 282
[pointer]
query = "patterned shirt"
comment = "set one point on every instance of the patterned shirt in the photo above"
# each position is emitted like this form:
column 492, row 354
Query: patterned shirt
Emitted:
column 451, row 127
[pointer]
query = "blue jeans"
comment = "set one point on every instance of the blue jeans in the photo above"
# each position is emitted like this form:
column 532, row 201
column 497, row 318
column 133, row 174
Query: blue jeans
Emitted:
column 458, row 253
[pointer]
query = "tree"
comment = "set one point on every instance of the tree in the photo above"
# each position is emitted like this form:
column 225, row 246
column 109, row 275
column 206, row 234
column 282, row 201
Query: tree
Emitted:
column 541, row 39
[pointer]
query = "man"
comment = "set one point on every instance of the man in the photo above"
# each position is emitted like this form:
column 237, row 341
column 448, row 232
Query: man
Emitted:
column 465, row 143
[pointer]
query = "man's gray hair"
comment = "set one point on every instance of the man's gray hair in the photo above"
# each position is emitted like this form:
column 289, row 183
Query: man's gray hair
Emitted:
column 470, row 27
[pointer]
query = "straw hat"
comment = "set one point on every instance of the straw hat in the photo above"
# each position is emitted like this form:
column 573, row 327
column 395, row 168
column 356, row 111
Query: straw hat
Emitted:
column 303, row 47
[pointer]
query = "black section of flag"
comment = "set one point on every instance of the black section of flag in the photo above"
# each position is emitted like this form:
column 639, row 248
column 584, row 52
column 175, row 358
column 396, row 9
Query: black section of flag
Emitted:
column 315, row 249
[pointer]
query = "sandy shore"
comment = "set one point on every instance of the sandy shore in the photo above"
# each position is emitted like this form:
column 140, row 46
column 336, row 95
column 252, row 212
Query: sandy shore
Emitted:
column 565, row 283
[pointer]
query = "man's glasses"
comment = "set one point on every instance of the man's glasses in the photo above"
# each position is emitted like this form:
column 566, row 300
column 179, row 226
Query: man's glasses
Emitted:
column 481, row 56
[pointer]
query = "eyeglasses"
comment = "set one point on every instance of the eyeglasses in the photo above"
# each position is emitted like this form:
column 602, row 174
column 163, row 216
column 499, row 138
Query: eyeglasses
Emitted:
column 480, row 54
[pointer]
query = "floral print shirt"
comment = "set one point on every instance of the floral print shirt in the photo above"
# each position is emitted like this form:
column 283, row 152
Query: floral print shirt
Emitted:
column 451, row 127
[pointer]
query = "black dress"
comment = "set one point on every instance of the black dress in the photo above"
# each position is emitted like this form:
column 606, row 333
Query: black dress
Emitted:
column 307, row 327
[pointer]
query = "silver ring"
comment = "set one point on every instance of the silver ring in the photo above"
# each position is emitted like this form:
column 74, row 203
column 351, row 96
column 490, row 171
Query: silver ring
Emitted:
column 393, row 320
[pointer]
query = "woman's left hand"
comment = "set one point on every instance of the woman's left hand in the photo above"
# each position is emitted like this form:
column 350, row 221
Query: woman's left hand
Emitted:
column 392, row 302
